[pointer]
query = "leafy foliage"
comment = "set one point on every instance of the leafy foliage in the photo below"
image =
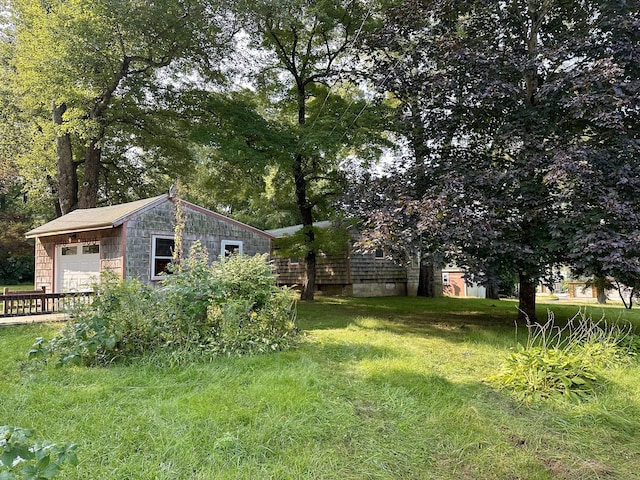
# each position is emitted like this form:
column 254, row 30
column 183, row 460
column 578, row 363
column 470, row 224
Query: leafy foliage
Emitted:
column 227, row 308
column 564, row 362
column 20, row 458
column 16, row 253
column 120, row 322
column 523, row 128
column 85, row 83
column 333, row 240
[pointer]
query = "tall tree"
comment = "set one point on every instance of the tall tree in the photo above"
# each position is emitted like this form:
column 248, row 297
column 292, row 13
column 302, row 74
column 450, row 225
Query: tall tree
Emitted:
column 501, row 117
column 89, row 74
column 406, row 57
column 305, row 49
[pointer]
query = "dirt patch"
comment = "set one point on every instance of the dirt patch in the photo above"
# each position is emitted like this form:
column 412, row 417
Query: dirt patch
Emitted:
column 579, row 470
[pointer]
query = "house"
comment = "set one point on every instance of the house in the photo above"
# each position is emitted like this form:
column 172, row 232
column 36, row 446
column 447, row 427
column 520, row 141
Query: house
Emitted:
column 350, row 273
column 133, row 240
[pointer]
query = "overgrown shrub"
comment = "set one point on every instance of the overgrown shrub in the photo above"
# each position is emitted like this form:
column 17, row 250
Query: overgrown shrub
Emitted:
column 120, row 322
column 239, row 327
column 185, row 295
column 226, row 308
column 563, row 362
column 233, row 307
column 20, row 458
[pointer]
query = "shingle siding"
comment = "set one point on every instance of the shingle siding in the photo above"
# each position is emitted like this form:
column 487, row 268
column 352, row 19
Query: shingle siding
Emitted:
column 365, row 268
column 45, row 252
column 208, row 229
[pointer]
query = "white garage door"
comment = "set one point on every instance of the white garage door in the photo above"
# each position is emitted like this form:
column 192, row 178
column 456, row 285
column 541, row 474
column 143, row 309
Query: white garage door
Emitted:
column 77, row 267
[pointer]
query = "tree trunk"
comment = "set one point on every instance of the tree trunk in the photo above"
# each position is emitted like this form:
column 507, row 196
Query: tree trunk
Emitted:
column 88, row 197
column 492, row 290
column 527, row 298
column 601, row 289
column 306, row 212
column 66, row 167
column 426, row 284
column 309, row 284
column 304, row 206
column 601, row 294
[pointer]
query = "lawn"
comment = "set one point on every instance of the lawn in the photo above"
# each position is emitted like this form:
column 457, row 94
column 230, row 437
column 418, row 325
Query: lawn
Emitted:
column 21, row 287
column 390, row 388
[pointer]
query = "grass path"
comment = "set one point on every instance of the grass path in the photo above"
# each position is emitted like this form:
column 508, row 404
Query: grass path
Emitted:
column 378, row 389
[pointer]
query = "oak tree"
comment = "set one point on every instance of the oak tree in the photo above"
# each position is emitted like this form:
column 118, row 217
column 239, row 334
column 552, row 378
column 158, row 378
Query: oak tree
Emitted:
column 90, row 77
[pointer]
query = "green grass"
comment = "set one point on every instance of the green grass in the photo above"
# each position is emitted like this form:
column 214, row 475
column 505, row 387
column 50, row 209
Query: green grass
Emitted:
column 20, row 288
column 389, row 388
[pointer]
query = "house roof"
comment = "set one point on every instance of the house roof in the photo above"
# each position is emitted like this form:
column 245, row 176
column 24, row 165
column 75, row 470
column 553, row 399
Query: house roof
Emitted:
column 101, row 218
column 93, row 218
column 286, row 231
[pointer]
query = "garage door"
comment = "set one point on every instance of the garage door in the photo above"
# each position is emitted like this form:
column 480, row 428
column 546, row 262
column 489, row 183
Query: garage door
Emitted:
column 77, row 267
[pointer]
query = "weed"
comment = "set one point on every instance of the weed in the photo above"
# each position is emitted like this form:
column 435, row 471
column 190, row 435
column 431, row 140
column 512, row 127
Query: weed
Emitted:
column 564, row 361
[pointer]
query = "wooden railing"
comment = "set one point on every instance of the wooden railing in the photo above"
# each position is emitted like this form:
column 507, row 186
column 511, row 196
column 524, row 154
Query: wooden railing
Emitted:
column 38, row 302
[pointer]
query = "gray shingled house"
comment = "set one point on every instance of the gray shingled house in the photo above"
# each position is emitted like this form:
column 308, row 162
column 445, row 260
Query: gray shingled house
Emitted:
column 353, row 273
column 133, row 240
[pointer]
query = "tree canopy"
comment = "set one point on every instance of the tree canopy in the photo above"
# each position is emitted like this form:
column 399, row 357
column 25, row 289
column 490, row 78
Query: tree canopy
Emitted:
column 93, row 83
column 302, row 117
column 513, row 94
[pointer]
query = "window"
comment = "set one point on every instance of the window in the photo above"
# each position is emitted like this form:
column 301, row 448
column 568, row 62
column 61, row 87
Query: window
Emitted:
column 69, row 250
column 161, row 255
column 379, row 253
column 445, row 278
column 90, row 249
column 230, row 247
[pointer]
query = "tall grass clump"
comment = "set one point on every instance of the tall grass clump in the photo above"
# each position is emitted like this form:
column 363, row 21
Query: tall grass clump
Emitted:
column 564, row 362
column 223, row 308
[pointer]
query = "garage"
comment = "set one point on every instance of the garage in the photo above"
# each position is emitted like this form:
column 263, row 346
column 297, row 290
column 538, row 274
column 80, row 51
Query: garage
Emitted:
column 77, row 267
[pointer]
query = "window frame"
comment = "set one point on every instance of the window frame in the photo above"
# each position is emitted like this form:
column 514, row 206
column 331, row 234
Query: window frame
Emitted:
column 154, row 257
column 223, row 249
column 381, row 256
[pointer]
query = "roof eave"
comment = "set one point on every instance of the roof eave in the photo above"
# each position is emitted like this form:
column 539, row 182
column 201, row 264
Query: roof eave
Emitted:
column 53, row 233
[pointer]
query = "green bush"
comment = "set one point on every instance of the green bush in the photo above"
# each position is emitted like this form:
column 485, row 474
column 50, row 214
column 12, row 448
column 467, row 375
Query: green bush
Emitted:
column 537, row 373
column 20, row 458
column 563, row 362
column 240, row 328
column 120, row 322
column 226, row 308
column 185, row 296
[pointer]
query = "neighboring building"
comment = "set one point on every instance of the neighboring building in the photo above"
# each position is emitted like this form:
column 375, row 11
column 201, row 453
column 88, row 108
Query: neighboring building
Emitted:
column 133, row 240
column 455, row 285
column 352, row 273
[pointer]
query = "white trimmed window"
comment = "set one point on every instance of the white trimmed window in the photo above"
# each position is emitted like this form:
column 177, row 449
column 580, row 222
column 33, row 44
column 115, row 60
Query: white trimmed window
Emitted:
column 379, row 253
column 230, row 247
column 161, row 255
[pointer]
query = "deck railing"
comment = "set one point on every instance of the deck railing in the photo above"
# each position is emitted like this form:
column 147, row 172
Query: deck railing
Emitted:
column 38, row 302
